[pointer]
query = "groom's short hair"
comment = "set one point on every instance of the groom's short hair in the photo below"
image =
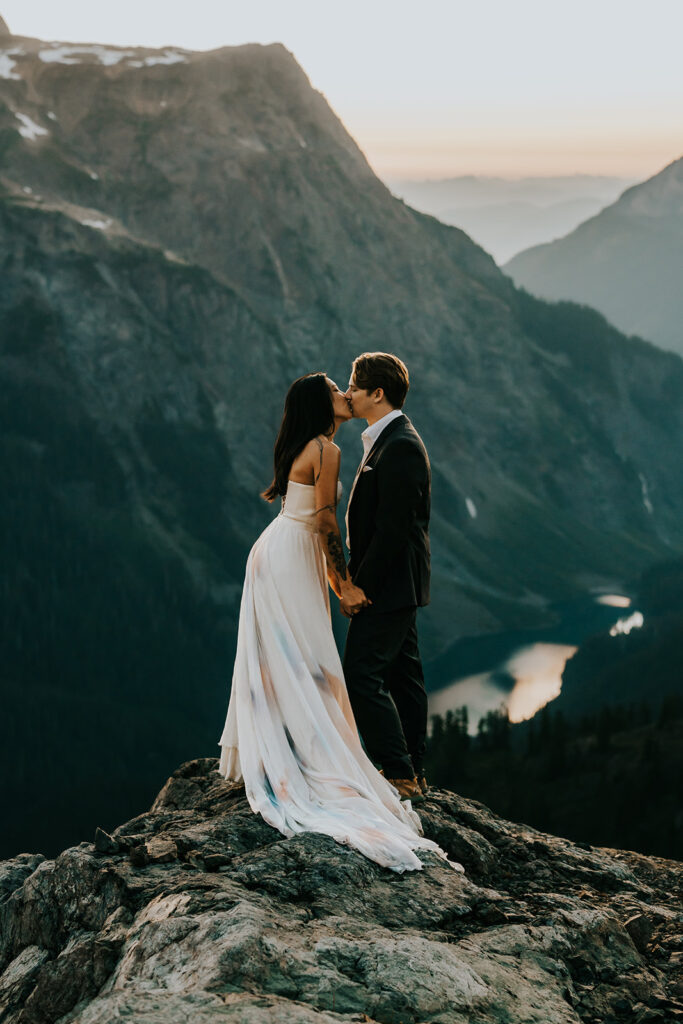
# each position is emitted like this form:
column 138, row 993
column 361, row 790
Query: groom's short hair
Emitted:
column 382, row 370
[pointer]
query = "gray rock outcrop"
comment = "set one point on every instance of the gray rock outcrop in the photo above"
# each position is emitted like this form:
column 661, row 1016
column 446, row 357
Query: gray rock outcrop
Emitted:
column 198, row 911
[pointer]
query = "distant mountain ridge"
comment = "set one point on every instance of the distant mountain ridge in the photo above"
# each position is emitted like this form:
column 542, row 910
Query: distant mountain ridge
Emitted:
column 181, row 235
column 626, row 261
column 508, row 215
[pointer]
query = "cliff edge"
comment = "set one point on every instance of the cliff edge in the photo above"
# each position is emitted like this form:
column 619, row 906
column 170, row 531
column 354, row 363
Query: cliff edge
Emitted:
column 197, row 910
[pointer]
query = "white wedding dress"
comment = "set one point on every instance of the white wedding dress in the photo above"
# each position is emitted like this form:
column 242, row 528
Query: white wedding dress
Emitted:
column 290, row 733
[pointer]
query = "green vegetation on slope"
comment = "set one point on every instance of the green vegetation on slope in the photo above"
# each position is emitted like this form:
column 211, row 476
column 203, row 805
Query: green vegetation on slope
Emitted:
column 612, row 778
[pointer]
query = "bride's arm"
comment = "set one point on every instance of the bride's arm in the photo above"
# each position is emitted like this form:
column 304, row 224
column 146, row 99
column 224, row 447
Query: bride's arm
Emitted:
column 333, row 581
column 326, row 476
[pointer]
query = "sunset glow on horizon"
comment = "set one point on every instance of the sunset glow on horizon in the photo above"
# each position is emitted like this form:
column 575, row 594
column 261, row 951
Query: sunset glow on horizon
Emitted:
column 441, row 154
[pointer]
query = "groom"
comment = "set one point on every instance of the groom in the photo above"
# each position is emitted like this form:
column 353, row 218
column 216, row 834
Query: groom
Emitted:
column 387, row 523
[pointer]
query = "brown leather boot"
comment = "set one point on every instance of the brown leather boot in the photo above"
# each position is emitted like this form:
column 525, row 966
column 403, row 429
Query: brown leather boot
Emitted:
column 408, row 789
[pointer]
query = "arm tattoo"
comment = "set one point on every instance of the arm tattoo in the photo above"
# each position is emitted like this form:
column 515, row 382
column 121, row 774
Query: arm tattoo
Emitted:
column 332, row 508
column 336, row 554
column 320, row 445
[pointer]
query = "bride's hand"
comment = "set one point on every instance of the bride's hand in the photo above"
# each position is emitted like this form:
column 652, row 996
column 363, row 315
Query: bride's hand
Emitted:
column 353, row 599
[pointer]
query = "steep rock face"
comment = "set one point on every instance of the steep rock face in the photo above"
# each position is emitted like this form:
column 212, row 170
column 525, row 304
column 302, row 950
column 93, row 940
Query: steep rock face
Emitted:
column 626, row 261
column 198, row 910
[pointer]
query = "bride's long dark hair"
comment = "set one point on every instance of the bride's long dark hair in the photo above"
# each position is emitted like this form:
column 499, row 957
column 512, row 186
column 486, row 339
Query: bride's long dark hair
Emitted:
column 309, row 411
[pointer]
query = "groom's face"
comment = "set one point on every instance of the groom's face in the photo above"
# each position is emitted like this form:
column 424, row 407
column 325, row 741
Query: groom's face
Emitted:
column 361, row 402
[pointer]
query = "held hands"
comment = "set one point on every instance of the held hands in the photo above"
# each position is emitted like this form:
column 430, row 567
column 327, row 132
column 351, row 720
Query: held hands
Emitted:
column 352, row 599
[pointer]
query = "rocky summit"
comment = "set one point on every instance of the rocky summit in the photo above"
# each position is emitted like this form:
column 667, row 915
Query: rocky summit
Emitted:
column 196, row 910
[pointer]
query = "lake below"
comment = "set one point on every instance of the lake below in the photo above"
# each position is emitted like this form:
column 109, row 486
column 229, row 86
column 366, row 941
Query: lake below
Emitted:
column 522, row 670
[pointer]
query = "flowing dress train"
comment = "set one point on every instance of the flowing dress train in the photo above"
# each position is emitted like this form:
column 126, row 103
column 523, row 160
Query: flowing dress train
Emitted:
column 290, row 733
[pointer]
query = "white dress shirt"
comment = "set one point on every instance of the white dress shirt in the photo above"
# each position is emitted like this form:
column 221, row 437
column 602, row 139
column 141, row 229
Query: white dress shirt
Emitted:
column 368, row 437
column 371, row 433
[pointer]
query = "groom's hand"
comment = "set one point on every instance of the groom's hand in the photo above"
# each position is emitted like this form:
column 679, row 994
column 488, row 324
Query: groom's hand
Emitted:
column 353, row 600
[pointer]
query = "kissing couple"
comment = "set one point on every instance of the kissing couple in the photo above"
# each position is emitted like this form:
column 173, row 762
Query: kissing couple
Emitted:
column 294, row 714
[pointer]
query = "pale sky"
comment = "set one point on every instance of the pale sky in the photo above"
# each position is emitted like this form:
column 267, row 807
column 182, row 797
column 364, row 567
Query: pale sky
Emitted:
column 443, row 87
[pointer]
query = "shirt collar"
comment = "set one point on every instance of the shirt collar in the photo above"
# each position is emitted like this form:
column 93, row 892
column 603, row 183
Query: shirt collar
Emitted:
column 371, row 433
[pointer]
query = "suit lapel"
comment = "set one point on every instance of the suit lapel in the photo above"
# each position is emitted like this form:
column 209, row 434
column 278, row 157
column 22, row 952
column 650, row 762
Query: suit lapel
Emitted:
column 373, row 453
column 384, row 437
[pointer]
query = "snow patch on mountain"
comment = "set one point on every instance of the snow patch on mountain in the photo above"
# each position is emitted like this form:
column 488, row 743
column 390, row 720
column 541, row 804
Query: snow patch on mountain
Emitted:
column 79, row 53
column 101, row 225
column 8, row 64
column 29, row 129
column 65, row 54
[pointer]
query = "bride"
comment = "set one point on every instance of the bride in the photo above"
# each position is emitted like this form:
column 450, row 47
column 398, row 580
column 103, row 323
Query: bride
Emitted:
column 290, row 733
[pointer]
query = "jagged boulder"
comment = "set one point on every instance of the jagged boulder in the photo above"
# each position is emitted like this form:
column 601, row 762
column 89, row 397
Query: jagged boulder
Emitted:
column 197, row 910
column 4, row 30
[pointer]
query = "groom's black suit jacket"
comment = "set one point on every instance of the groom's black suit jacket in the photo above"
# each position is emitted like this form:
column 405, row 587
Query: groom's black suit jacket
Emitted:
column 388, row 518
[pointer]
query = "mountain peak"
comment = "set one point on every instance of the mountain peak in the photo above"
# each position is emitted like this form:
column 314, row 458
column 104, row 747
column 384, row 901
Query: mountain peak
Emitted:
column 198, row 906
column 659, row 196
column 622, row 261
column 4, row 30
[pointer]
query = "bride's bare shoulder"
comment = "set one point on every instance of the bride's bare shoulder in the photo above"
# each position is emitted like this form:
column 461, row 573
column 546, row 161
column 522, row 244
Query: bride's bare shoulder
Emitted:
column 321, row 444
column 328, row 443
column 317, row 451
column 325, row 456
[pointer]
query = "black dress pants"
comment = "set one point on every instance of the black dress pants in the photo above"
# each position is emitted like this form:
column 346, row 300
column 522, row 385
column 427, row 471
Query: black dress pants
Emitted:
column 384, row 679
